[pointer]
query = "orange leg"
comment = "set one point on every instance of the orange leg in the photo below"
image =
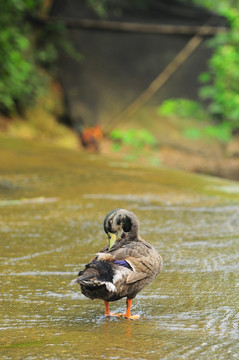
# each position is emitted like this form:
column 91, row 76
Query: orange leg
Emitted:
column 107, row 311
column 128, row 315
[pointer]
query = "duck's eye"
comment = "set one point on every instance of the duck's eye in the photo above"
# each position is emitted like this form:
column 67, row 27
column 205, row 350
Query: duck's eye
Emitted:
column 110, row 225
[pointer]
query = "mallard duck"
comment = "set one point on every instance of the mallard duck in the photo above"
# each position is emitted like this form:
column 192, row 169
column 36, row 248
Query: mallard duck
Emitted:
column 122, row 268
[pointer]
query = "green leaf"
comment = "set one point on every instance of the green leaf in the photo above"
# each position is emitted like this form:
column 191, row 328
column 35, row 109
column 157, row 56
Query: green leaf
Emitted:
column 192, row 133
column 116, row 147
column 205, row 77
column 220, row 132
column 116, row 134
column 215, row 108
column 206, row 92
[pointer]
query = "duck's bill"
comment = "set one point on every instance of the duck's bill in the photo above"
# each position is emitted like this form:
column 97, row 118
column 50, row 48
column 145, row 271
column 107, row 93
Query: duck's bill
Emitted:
column 112, row 239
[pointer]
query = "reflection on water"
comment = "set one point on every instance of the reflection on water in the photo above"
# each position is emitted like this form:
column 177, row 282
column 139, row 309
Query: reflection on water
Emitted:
column 191, row 309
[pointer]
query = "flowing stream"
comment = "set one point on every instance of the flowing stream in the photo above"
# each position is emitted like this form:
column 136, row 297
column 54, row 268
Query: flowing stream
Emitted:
column 52, row 205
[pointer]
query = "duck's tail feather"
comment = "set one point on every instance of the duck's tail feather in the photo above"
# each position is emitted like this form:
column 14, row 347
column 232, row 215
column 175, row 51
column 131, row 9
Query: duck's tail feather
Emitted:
column 96, row 274
column 83, row 276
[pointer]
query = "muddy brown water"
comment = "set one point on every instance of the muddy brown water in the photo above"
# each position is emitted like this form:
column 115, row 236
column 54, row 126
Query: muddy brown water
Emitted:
column 53, row 202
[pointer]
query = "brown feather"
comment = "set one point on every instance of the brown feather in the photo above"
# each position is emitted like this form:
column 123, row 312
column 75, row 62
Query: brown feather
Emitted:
column 133, row 277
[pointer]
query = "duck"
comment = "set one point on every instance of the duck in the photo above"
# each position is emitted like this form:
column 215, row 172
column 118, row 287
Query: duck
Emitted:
column 122, row 268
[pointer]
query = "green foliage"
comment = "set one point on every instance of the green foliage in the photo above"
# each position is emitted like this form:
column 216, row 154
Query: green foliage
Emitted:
column 133, row 137
column 19, row 80
column 137, row 143
column 192, row 133
column 99, row 6
column 221, row 132
column 25, row 49
column 221, row 82
column 220, row 87
column 103, row 7
column 183, row 108
column 48, row 39
column 217, row 6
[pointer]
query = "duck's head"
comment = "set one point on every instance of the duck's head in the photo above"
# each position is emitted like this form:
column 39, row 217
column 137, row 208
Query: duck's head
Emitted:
column 121, row 223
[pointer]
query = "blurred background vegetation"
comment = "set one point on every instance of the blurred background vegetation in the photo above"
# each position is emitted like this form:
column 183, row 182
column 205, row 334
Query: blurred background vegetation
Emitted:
column 219, row 85
column 28, row 64
column 20, row 80
column 29, row 53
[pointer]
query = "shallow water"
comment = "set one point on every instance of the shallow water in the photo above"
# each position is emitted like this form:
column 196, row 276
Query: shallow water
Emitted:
column 52, row 206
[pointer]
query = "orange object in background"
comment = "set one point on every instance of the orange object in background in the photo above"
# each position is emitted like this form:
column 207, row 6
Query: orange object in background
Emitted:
column 91, row 136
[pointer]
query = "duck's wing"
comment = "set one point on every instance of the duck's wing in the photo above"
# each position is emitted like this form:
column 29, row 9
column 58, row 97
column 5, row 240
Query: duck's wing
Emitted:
column 143, row 259
column 135, row 276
